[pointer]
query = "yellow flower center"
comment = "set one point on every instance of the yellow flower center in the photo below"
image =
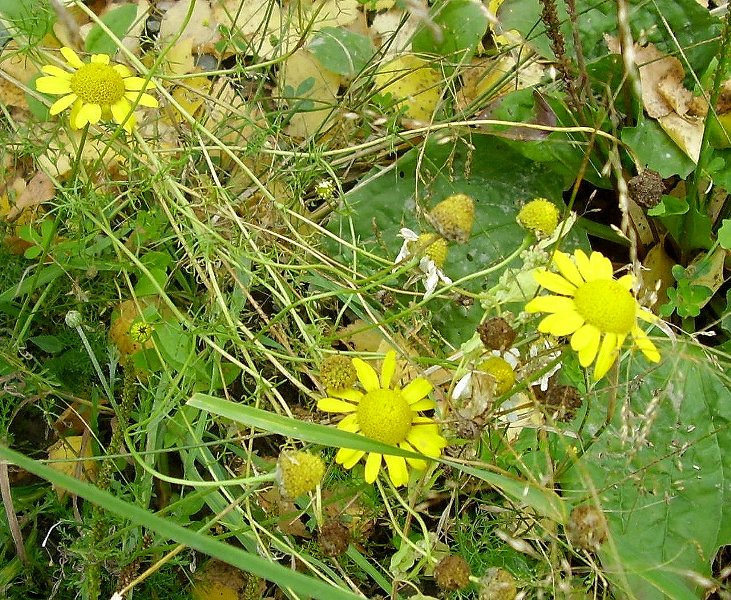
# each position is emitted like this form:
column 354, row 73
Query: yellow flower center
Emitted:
column 385, row 416
column 98, row 84
column 501, row 371
column 607, row 305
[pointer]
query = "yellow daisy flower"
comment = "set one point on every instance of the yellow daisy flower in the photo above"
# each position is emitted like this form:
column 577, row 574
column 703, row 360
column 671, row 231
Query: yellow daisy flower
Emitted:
column 95, row 90
column 597, row 310
column 388, row 415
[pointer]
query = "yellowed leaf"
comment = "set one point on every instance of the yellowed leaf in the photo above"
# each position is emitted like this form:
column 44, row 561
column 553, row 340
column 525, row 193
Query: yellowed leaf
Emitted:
column 657, row 276
column 218, row 580
column 201, row 29
column 412, row 83
column 498, row 76
column 314, row 89
column 334, row 13
column 686, row 132
column 16, row 66
column 388, row 27
column 67, row 452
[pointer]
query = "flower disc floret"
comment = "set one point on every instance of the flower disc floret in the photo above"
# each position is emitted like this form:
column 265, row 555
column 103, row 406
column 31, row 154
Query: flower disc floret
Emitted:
column 501, row 372
column 387, row 414
column 595, row 309
column 94, row 90
column 539, row 216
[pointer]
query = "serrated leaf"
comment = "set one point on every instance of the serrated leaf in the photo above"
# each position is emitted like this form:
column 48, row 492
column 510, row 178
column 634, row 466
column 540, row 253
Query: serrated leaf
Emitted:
column 118, row 20
column 663, row 471
column 342, row 51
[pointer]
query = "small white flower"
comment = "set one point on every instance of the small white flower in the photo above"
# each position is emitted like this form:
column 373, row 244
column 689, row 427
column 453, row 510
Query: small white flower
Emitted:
column 433, row 274
column 542, row 361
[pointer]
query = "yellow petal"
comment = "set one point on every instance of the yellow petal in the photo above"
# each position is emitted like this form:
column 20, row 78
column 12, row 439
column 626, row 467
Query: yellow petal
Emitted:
column 71, row 57
column 100, row 59
column 388, row 368
column 53, row 85
column 584, row 336
column 373, row 465
column 56, row 72
column 562, row 323
column 397, row 471
column 88, row 113
column 349, row 423
column 124, row 73
column 415, row 463
column 423, row 404
column 121, row 110
column 582, row 263
column 63, row 103
column 627, row 281
column 75, row 114
column 601, row 267
column 142, row 99
column 550, row 304
column 555, row 283
column 588, row 352
column 646, row 315
column 416, row 390
column 607, row 355
column 366, row 375
column 335, row 405
column 645, row 344
column 426, row 441
column 348, row 456
column 348, row 394
column 567, row 267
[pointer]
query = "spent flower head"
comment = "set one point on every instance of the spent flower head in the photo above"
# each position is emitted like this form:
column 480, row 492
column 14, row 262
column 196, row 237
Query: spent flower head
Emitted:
column 539, row 216
column 299, row 472
column 387, row 414
column 433, row 251
column 453, row 217
column 337, row 372
column 597, row 310
column 95, row 90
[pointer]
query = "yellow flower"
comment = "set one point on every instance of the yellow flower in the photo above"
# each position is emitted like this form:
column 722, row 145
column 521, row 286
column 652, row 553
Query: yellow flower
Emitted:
column 95, row 90
column 598, row 310
column 388, row 415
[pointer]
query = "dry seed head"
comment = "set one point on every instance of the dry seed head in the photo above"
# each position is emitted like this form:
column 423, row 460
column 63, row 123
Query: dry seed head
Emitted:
column 453, row 217
column 497, row 584
column 539, row 216
column 496, row 334
column 299, row 473
column 452, row 573
column 334, row 538
column 587, row 527
column 563, row 401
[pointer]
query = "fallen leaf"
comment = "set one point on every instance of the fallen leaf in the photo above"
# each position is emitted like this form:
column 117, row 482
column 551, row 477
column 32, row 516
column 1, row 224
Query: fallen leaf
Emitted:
column 412, row 83
column 218, row 580
column 65, row 455
column 40, row 189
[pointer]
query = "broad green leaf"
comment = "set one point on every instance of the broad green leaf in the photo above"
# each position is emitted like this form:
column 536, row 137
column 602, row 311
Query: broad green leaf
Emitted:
column 249, row 562
column 544, row 501
column 341, row 51
column 656, row 150
column 462, row 24
column 724, row 234
column 118, row 20
column 669, row 205
column 663, row 472
column 497, row 177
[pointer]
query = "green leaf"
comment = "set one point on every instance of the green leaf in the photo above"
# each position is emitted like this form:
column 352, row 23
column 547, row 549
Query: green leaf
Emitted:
column 669, row 205
column 249, row 562
column 496, row 176
column 690, row 27
column 342, row 51
column 32, row 19
column 462, row 24
column 656, row 150
column 541, row 499
column 118, row 21
column 662, row 471
column 724, row 234
column 48, row 343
